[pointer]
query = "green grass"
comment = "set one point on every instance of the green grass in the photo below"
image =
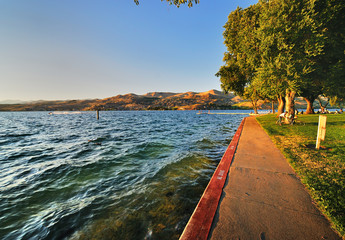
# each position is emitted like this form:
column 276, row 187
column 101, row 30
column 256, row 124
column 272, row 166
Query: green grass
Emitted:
column 321, row 171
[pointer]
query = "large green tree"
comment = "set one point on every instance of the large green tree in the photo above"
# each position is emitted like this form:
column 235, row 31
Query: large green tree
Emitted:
column 332, row 16
column 242, row 54
column 274, row 47
column 290, row 41
column 328, row 79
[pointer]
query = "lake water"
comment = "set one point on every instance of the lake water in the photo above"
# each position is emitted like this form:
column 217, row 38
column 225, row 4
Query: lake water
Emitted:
column 129, row 175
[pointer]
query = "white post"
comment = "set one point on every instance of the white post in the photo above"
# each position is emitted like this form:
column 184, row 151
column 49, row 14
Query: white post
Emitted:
column 321, row 131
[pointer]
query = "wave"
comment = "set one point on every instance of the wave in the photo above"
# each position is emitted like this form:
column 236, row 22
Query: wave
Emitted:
column 64, row 113
column 131, row 175
column 15, row 135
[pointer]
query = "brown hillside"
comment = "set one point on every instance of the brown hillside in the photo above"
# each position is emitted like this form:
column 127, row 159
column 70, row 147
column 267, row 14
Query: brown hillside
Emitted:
column 159, row 94
column 212, row 99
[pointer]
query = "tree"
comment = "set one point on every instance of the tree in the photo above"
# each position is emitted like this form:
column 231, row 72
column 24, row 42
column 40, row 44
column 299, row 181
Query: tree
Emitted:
column 289, row 42
column 242, row 54
column 332, row 16
column 271, row 46
column 177, row 2
column 252, row 93
column 328, row 78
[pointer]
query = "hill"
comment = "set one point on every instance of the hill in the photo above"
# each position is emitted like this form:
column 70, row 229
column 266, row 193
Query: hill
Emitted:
column 212, row 100
column 165, row 101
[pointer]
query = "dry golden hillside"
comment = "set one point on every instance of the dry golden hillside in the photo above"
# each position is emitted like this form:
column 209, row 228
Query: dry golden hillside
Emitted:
column 212, row 99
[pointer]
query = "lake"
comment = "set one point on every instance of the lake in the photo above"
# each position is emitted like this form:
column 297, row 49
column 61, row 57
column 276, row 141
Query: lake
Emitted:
column 128, row 175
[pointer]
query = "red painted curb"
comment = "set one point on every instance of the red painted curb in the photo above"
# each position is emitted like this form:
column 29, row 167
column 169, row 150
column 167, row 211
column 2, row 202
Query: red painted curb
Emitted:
column 199, row 225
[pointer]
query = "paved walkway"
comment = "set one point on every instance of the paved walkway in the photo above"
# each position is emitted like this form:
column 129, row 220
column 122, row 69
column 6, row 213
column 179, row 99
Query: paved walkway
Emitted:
column 262, row 197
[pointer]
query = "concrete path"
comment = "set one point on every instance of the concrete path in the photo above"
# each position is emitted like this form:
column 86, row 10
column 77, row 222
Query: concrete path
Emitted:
column 262, row 197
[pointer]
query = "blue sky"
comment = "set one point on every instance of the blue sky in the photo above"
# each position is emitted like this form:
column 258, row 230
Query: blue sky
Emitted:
column 77, row 49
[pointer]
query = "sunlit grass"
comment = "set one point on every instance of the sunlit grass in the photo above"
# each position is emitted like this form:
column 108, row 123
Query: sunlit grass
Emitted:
column 321, row 171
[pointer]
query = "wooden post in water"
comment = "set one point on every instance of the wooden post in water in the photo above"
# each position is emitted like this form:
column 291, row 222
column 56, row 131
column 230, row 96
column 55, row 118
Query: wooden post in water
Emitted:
column 97, row 113
column 321, row 131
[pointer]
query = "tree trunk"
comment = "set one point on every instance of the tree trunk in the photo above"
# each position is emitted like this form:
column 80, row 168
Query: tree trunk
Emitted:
column 255, row 106
column 281, row 105
column 273, row 111
column 290, row 105
column 323, row 108
column 310, row 108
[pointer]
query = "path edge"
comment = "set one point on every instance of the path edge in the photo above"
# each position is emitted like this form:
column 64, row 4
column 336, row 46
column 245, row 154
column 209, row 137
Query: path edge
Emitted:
column 199, row 224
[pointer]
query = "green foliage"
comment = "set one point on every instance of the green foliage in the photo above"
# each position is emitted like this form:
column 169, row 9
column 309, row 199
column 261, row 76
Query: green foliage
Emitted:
column 328, row 79
column 232, row 79
column 289, row 41
column 242, row 54
column 321, row 171
column 286, row 47
column 333, row 17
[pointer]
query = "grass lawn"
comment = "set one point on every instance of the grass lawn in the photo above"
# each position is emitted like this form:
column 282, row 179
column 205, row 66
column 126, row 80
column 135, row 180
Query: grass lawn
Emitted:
column 321, row 171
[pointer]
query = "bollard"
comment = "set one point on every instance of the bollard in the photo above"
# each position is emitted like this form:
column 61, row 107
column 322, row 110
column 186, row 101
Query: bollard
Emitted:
column 321, row 131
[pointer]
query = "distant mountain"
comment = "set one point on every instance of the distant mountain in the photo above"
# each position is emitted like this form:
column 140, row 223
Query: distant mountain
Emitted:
column 159, row 94
column 210, row 100
column 12, row 102
column 165, row 101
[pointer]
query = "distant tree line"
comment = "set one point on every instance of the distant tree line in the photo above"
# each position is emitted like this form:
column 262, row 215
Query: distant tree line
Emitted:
column 177, row 2
column 280, row 49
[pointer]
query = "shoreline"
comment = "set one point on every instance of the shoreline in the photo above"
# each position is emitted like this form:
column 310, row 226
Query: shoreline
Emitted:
column 262, row 197
column 199, row 224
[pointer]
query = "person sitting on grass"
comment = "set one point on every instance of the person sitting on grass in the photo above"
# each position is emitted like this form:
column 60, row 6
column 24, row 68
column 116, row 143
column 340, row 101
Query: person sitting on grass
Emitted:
column 281, row 117
column 290, row 118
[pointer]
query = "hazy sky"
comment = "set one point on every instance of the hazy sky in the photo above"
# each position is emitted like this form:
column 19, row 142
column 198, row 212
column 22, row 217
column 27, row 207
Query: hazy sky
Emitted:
column 76, row 49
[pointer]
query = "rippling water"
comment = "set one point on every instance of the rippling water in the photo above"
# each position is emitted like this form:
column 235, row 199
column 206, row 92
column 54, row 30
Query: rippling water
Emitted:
column 129, row 175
